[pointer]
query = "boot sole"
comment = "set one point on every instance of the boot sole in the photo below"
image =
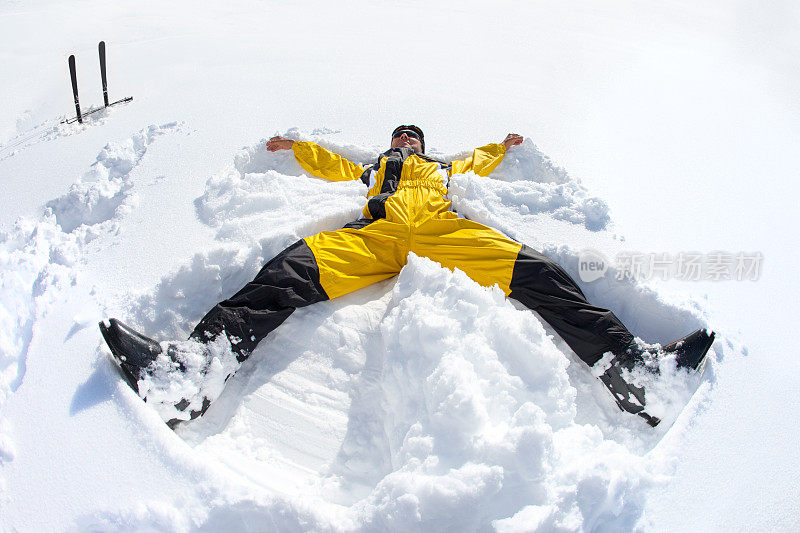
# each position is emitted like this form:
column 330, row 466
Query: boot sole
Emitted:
column 118, row 357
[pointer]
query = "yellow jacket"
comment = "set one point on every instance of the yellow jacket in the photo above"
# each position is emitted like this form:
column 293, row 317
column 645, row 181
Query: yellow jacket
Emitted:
column 403, row 186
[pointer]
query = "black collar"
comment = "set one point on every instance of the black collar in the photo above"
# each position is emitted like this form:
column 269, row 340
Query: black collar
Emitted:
column 403, row 153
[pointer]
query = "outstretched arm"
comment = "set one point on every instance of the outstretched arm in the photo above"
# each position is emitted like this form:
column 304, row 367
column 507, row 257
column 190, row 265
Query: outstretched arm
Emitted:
column 486, row 158
column 316, row 160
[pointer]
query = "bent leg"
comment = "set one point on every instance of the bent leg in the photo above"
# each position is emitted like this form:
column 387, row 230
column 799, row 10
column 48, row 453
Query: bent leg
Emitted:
column 538, row 282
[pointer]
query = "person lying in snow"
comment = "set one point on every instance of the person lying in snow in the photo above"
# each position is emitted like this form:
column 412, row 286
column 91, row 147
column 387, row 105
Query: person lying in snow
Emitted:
column 407, row 210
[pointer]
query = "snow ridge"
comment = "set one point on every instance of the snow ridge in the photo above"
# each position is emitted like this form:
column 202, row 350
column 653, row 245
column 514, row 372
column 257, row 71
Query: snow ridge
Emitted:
column 38, row 259
column 97, row 195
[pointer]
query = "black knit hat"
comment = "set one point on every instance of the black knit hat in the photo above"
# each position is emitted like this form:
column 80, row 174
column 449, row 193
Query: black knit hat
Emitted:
column 416, row 130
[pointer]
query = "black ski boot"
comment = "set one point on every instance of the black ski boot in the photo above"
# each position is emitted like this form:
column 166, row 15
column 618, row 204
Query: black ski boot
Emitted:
column 134, row 354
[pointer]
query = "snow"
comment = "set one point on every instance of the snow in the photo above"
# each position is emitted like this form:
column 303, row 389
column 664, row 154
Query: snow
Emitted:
column 424, row 402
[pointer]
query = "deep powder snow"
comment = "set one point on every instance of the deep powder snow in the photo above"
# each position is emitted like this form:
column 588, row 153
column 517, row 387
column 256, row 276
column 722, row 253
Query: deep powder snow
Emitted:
column 425, row 402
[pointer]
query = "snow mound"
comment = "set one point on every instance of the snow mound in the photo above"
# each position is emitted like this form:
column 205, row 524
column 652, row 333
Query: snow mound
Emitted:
column 526, row 185
column 473, row 393
column 253, row 196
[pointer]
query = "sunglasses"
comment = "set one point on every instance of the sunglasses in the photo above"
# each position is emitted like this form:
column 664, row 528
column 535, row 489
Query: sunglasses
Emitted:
column 410, row 133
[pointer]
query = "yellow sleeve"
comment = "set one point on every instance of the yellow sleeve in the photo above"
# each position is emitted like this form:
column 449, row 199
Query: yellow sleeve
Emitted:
column 321, row 163
column 482, row 161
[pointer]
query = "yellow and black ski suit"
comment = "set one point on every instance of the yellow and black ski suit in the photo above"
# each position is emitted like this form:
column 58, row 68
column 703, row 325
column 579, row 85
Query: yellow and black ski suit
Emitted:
column 408, row 211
